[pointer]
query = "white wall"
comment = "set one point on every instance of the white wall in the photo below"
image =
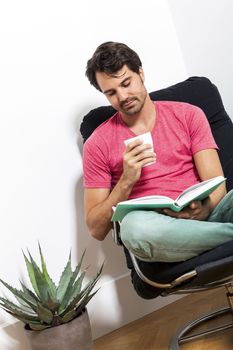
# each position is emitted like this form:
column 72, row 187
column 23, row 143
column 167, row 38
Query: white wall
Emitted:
column 205, row 32
column 44, row 95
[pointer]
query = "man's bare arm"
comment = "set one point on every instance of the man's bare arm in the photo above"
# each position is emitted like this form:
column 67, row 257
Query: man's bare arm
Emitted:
column 208, row 165
column 98, row 208
column 98, row 202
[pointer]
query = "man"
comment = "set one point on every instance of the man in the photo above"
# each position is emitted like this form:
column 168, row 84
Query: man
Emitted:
column 185, row 153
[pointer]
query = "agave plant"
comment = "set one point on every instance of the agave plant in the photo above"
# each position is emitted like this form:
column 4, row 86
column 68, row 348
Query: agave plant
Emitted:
column 47, row 304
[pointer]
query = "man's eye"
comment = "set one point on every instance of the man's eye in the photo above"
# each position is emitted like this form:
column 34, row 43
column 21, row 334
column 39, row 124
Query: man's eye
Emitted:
column 126, row 84
column 110, row 93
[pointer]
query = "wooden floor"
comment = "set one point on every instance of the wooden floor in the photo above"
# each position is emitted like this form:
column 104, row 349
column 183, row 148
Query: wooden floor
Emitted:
column 154, row 331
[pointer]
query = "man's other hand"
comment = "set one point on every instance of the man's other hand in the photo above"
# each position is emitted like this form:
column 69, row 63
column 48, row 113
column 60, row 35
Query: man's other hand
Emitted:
column 196, row 210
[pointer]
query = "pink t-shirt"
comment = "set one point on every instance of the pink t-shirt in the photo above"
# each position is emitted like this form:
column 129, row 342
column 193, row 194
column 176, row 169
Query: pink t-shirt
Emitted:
column 179, row 132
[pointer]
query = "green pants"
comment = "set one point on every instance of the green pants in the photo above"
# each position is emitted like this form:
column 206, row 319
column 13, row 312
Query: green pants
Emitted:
column 156, row 237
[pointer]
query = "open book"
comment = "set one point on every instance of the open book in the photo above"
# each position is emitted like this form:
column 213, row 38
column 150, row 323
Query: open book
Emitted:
column 196, row 192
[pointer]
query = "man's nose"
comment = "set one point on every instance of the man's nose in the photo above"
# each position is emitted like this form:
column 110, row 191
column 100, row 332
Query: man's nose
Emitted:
column 122, row 95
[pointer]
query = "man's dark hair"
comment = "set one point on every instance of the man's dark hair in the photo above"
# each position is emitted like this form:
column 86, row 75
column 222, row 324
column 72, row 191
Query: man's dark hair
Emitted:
column 109, row 58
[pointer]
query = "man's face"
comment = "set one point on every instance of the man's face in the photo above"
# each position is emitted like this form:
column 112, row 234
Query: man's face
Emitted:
column 124, row 90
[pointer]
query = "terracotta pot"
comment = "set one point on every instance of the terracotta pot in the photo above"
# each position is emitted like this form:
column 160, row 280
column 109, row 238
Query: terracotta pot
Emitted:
column 74, row 335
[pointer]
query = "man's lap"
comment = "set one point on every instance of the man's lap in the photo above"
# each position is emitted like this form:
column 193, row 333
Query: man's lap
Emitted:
column 156, row 237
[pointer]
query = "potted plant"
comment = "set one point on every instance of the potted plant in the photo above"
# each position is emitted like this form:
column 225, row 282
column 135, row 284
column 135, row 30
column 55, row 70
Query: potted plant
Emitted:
column 55, row 316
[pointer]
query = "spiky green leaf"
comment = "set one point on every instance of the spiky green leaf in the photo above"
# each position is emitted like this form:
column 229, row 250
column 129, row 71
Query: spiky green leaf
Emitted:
column 23, row 308
column 18, row 293
column 37, row 327
column 87, row 298
column 51, row 303
column 69, row 290
column 16, row 316
column 44, row 314
column 29, row 294
column 17, row 312
column 77, row 286
column 86, row 291
column 31, row 274
column 64, row 279
column 42, row 286
column 75, row 291
column 51, row 284
column 67, row 280
column 83, row 302
column 69, row 316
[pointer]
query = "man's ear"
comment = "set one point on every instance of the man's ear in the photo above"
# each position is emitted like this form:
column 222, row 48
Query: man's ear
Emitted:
column 141, row 74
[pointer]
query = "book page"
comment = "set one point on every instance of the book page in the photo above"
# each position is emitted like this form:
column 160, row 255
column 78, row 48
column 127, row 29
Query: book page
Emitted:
column 148, row 200
column 194, row 191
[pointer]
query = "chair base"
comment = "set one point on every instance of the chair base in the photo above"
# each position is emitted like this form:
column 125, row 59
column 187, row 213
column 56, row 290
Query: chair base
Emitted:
column 182, row 335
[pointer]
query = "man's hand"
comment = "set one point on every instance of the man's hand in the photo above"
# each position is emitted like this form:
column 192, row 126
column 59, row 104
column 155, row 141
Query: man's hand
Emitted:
column 136, row 155
column 196, row 210
column 99, row 201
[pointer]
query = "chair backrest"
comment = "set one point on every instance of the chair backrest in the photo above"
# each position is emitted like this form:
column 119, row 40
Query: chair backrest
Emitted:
column 198, row 91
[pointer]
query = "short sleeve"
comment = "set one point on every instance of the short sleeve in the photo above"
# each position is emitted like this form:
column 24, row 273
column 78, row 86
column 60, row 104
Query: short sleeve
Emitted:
column 200, row 131
column 96, row 172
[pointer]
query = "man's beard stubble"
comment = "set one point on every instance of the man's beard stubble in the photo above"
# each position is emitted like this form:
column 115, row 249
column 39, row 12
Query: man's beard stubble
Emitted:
column 135, row 109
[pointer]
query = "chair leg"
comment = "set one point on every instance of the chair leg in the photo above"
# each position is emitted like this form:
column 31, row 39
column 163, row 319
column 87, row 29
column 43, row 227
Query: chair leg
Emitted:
column 182, row 335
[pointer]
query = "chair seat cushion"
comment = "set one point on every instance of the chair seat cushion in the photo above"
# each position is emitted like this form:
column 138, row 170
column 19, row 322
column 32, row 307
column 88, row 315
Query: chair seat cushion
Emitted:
column 211, row 266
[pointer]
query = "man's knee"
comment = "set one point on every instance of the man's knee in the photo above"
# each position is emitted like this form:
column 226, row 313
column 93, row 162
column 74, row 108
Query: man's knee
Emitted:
column 142, row 236
column 131, row 226
column 146, row 225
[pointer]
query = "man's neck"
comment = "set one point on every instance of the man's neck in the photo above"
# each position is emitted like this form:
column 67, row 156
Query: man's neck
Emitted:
column 143, row 121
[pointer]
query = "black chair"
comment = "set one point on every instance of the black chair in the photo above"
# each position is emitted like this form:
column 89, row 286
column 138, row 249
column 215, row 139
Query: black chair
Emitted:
column 212, row 269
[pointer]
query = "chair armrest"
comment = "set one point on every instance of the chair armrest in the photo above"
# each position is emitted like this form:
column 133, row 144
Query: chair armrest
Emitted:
column 116, row 233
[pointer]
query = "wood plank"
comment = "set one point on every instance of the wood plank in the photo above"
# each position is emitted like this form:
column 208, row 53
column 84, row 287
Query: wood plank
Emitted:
column 154, row 331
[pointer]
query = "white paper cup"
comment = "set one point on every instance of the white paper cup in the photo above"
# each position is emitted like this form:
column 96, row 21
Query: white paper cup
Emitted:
column 147, row 139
